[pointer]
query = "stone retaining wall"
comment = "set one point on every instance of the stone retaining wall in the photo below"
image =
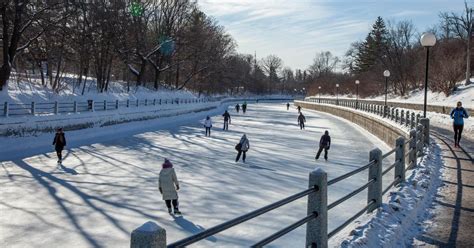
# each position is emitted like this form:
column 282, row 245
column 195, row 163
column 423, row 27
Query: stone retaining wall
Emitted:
column 383, row 130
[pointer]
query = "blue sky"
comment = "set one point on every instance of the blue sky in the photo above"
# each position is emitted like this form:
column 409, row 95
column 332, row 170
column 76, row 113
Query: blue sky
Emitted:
column 296, row 30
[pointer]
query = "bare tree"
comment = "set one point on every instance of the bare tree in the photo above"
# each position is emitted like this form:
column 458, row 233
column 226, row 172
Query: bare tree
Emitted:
column 323, row 63
column 462, row 26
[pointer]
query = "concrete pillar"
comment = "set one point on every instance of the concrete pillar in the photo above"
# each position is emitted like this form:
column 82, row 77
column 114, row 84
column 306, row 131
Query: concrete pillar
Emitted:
column 105, row 104
column 420, row 140
column 402, row 116
column 138, row 102
column 425, row 122
column 407, row 118
column 375, row 172
column 149, row 235
column 74, row 107
column 116, row 104
column 56, row 107
column 317, row 229
column 6, row 109
column 413, row 121
column 33, row 108
column 396, row 115
column 128, row 103
column 412, row 149
column 400, row 160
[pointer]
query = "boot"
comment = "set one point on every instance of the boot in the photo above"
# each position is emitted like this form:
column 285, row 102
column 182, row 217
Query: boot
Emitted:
column 169, row 210
column 176, row 211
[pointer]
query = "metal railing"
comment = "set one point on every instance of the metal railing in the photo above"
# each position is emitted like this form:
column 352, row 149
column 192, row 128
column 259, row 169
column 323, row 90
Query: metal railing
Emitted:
column 54, row 108
column 316, row 218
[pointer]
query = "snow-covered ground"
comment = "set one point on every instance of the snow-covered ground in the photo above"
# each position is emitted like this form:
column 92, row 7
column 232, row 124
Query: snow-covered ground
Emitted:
column 108, row 185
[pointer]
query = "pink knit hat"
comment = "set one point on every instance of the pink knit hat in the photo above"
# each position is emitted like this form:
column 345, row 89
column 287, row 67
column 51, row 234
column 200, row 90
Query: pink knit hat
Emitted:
column 167, row 164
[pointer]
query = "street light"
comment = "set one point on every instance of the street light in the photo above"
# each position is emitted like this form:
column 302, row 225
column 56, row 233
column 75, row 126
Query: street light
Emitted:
column 357, row 93
column 319, row 90
column 386, row 74
column 337, row 94
column 427, row 40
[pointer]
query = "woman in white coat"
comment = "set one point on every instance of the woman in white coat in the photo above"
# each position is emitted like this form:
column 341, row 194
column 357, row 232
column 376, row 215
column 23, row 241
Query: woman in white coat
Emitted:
column 242, row 147
column 208, row 125
column 166, row 183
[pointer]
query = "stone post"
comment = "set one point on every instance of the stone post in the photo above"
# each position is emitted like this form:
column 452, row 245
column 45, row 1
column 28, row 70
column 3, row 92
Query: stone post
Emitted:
column 317, row 229
column 400, row 160
column 375, row 172
column 426, row 130
column 149, row 235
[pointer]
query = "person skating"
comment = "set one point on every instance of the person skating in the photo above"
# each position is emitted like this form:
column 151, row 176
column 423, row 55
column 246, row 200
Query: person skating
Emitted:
column 168, row 185
column 287, row 106
column 244, row 107
column 458, row 114
column 324, row 144
column 242, row 147
column 227, row 120
column 59, row 143
column 301, row 120
column 299, row 109
column 208, row 125
column 237, row 108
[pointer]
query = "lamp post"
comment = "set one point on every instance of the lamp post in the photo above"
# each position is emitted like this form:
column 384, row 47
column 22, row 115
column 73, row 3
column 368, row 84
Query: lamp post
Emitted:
column 386, row 74
column 357, row 93
column 337, row 94
column 427, row 40
column 319, row 90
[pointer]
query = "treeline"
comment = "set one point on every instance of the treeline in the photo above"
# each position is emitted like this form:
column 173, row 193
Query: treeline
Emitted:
column 146, row 43
column 395, row 46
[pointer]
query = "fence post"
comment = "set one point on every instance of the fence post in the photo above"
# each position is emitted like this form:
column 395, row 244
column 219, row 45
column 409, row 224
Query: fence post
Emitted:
column 407, row 118
column 418, row 116
column 149, row 235
column 154, row 102
column 160, row 101
column 412, row 150
column 400, row 158
column 128, row 103
column 317, row 229
column 396, row 115
column 138, row 103
column 33, row 108
column 116, row 104
column 375, row 172
column 92, row 103
column 420, row 140
column 105, row 104
column 56, row 107
column 74, row 107
column 392, row 113
column 402, row 116
column 5, row 109
column 426, row 130
column 146, row 102
column 413, row 122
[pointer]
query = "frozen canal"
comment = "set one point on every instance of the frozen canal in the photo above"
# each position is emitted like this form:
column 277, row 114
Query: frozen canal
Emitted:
column 108, row 186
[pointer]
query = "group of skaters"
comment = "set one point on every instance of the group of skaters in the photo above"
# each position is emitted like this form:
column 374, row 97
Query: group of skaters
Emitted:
column 168, row 183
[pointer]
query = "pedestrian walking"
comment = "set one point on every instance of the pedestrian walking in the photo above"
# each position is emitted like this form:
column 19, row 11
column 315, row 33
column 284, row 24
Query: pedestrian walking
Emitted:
column 324, row 144
column 168, row 185
column 458, row 114
column 59, row 143
column 287, row 106
column 242, row 147
column 227, row 120
column 301, row 120
column 299, row 109
column 244, row 107
column 237, row 108
column 208, row 125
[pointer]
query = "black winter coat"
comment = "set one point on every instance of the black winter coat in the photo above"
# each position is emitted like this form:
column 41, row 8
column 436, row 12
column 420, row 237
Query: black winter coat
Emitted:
column 226, row 116
column 59, row 140
column 325, row 141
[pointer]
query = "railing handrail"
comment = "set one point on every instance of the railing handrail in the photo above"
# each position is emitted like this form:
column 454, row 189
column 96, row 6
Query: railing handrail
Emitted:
column 228, row 224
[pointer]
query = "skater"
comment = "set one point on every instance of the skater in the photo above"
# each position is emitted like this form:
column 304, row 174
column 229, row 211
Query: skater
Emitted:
column 208, row 125
column 301, row 120
column 59, row 143
column 244, row 107
column 237, row 108
column 287, row 106
column 458, row 114
column 299, row 109
column 226, row 120
column 242, row 147
column 168, row 185
column 324, row 143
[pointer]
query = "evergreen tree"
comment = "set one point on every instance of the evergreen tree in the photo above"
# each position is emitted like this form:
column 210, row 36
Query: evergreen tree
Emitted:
column 371, row 51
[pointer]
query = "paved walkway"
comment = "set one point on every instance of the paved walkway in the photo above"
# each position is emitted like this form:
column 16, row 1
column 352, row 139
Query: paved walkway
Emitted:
column 452, row 224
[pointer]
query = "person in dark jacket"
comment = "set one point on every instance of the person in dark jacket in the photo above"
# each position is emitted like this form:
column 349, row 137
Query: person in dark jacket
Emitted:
column 237, row 108
column 458, row 114
column 226, row 120
column 324, row 144
column 287, row 106
column 244, row 107
column 301, row 120
column 59, row 143
column 299, row 109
